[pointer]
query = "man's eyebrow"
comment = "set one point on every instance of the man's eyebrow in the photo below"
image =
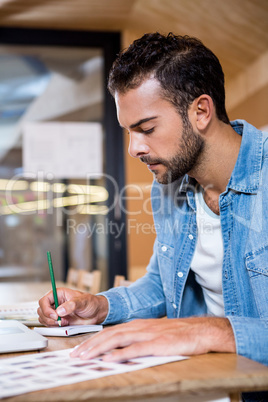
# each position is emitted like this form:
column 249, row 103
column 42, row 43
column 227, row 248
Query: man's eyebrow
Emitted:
column 140, row 122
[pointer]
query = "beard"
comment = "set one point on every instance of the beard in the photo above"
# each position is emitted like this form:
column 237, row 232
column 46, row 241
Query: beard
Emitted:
column 187, row 157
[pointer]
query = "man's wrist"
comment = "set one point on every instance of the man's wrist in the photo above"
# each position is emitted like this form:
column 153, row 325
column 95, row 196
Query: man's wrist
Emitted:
column 223, row 339
column 103, row 308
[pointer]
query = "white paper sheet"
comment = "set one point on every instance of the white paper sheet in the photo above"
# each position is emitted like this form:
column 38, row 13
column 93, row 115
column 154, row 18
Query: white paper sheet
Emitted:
column 62, row 150
column 51, row 369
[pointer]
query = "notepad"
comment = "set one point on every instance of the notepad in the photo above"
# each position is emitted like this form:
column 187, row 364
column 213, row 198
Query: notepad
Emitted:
column 26, row 312
column 68, row 330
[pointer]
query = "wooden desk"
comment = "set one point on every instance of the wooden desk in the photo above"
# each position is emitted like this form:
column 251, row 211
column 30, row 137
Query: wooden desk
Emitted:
column 198, row 379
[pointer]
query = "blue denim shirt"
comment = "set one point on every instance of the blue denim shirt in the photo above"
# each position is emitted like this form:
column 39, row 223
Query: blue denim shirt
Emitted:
column 169, row 286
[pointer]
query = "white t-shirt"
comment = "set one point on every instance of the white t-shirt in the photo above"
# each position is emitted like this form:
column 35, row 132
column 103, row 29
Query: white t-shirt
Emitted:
column 208, row 256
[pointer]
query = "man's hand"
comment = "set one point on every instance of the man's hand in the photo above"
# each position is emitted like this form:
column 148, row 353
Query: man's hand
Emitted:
column 74, row 308
column 159, row 337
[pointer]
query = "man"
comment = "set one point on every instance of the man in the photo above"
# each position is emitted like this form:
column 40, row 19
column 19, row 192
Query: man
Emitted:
column 209, row 269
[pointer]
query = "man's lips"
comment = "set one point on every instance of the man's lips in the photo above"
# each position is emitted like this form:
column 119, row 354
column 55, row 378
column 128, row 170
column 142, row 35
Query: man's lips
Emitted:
column 152, row 166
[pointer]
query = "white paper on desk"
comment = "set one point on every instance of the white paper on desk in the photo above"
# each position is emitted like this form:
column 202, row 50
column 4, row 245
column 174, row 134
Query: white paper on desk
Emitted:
column 65, row 150
column 51, row 369
column 68, row 330
column 26, row 312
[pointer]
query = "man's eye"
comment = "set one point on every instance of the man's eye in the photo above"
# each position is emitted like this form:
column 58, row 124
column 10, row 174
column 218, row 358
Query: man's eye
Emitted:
column 148, row 131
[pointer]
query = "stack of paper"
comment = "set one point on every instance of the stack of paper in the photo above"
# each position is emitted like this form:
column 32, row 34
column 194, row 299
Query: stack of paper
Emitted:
column 30, row 372
column 26, row 312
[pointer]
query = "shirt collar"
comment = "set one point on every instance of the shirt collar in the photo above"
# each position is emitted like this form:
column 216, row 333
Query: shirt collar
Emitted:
column 246, row 174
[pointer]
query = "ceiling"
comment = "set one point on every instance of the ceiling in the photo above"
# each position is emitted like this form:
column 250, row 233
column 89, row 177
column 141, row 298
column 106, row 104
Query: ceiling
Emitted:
column 236, row 30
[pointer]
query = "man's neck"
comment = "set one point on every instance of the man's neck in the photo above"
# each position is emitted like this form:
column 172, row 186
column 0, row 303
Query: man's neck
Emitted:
column 217, row 163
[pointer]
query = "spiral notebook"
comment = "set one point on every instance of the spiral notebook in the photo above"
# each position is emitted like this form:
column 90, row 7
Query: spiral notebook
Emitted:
column 26, row 313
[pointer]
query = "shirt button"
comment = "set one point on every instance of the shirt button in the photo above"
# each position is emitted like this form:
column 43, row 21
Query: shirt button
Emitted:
column 164, row 248
column 180, row 274
column 174, row 305
column 191, row 236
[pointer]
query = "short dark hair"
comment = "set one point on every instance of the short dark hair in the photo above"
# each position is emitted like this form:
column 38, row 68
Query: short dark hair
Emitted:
column 184, row 67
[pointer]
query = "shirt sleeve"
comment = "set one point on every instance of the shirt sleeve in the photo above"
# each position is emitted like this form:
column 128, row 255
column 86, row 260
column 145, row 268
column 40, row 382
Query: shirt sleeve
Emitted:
column 142, row 299
column 251, row 337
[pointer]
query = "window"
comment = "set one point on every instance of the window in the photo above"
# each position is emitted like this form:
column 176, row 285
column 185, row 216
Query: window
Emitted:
column 59, row 76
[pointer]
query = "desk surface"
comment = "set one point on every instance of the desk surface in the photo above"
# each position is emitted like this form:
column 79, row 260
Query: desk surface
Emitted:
column 211, row 374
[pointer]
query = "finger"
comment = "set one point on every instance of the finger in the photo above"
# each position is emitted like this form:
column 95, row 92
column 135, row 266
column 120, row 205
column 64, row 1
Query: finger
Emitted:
column 66, row 308
column 99, row 345
column 104, row 338
column 138, row 349
column 96, row 346
column 94, row 340
column 99, row 338
column 46, row 311
column 49, row 322
column 70, row 307
column 83, row 305
column 46, row 304
column 47, row 301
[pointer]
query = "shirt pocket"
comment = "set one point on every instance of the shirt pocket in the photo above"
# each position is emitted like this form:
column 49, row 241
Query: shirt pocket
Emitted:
column 165, row 255
column 257, row 266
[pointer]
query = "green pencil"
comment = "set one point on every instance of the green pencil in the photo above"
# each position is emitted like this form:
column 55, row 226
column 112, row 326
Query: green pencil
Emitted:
column 51, row 271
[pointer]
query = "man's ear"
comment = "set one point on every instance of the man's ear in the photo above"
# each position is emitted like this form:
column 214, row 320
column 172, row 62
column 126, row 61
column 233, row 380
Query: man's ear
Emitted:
column 202, row 109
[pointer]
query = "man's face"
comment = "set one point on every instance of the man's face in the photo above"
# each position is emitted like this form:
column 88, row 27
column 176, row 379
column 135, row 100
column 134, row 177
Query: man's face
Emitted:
column 158, row 136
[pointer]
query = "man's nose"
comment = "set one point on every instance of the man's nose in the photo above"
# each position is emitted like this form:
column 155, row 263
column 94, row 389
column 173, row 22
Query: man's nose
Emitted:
column 137, row 146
